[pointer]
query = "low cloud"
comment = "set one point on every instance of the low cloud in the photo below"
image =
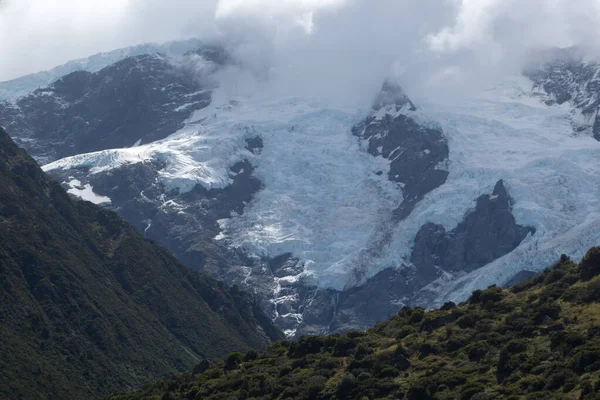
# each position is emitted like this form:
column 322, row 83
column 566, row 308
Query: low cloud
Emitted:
column 317, row 47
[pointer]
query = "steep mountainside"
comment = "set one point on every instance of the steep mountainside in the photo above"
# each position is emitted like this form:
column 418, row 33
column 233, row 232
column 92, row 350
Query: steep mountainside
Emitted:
column 537, row 340
column 87, row 306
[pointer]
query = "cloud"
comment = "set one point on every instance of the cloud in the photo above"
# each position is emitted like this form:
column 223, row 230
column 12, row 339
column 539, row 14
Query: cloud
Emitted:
column 39, row 34
column 317, row 47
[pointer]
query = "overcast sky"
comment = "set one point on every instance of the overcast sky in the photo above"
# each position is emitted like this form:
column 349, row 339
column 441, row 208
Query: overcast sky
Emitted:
column 336, row 42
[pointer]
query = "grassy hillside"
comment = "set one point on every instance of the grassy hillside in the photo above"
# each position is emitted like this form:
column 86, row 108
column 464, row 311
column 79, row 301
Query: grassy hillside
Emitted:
column 88, row 307
column 537, row 340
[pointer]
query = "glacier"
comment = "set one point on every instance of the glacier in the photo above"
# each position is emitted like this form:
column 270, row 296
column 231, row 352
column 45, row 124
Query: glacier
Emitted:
column 325, row 199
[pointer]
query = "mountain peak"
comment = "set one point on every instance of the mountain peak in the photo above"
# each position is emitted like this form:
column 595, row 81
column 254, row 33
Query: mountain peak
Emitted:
column 392, row 94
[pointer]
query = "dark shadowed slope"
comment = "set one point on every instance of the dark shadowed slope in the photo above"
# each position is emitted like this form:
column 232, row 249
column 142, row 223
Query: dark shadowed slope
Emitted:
column 88, row 307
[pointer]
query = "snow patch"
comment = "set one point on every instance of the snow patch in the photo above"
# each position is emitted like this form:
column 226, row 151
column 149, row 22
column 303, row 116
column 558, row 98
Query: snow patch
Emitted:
column 86, row 192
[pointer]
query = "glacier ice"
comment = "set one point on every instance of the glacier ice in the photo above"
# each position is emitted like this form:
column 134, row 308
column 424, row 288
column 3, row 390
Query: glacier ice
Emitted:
column 324, row 201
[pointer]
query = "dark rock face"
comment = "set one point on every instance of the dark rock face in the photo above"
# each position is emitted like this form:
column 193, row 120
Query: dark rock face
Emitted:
column 137, row 100
column 486, row 234
column 565, row 77
column 417, row 153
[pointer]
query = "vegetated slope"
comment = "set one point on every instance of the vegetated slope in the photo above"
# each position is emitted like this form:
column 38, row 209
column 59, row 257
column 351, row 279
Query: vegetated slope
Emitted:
column 538, row 340
column 88, row 307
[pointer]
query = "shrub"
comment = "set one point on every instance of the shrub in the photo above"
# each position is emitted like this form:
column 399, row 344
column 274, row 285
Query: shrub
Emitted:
column 251, row 356
column 566, row 341
column 417, row 316
column 590, row 265
column 478, row 351
column 232, row 361
column 558, row 379
column 329, row 363
column 545, row 311
column 492, row 294
column 419, row 391
column 475, row 297
column 455, row 344
column 389, row 372
column 401, row 359
column 364, row 376
column 343, row 346
column 554, row 275
column 362, row 350
column 426, row 349
column 356, row 334
column 468, row 320
column 405, row 312
column 345, row 386
column 507, row 362
column 306, row 345
column 586, row 358
column 313, row 386
column 405, row 331
column 471, row 390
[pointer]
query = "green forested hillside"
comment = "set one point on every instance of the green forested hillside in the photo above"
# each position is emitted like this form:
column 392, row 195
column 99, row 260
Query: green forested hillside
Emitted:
column 88, row 307
column 538, row 340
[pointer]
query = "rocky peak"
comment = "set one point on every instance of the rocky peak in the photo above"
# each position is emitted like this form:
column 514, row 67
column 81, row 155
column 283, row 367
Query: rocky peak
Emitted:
column 564, row 76
column 392, row 94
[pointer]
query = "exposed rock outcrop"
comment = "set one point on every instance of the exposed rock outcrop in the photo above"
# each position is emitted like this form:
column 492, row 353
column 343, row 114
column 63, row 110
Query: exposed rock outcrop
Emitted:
column 417, row 153
column 486, row 234
column 564, row 76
